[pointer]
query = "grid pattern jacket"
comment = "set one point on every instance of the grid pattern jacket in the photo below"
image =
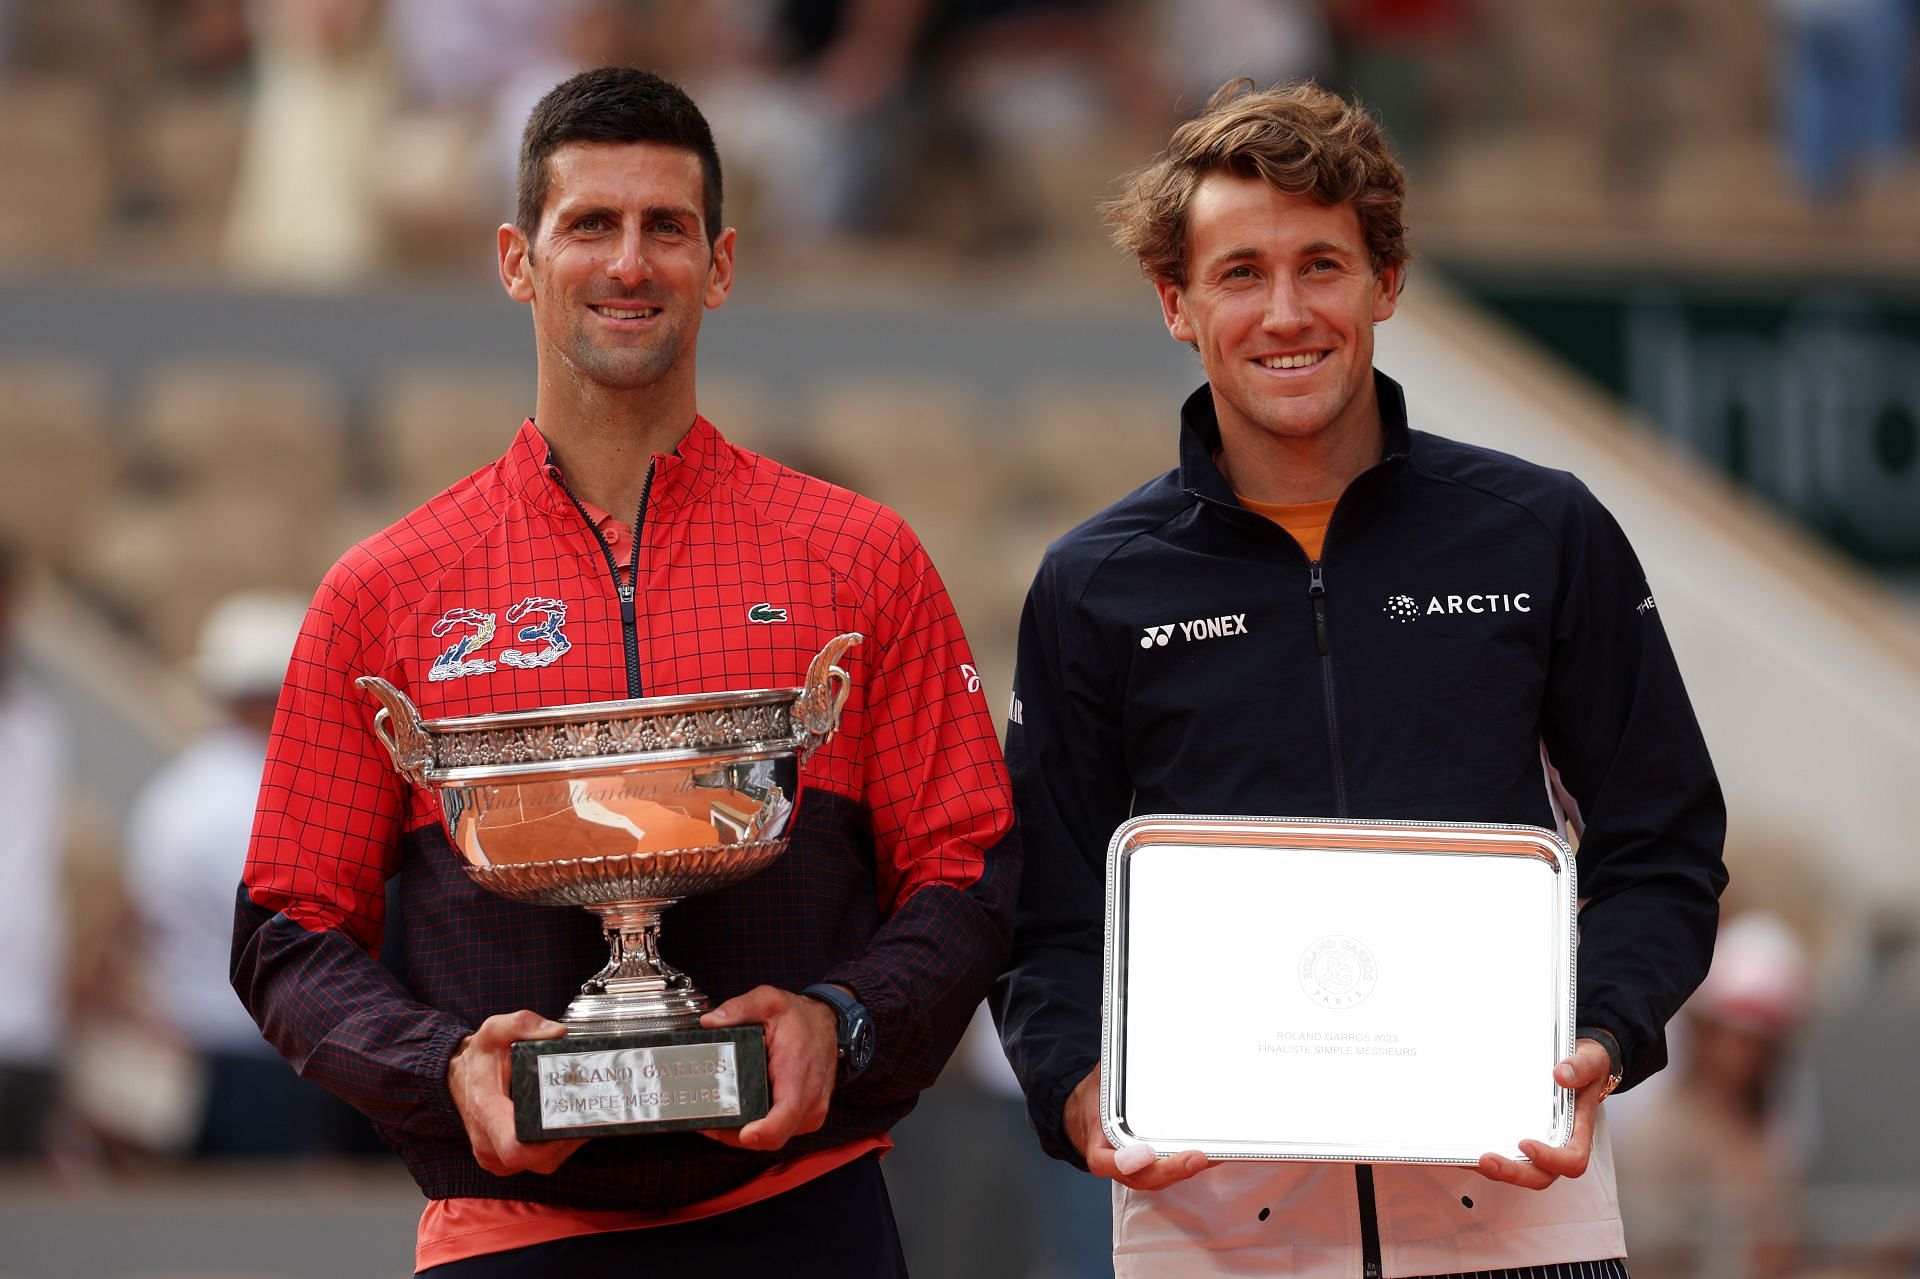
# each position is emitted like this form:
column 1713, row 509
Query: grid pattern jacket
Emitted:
column 498, row 595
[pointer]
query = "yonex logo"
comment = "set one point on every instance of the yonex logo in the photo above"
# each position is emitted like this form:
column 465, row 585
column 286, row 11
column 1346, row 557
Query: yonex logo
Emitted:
column 766, row 614
column 1200, row 628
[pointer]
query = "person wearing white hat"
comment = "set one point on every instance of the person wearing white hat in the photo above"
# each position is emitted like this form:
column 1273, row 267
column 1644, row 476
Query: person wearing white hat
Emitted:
column 1709, row 1169
column 185, row 841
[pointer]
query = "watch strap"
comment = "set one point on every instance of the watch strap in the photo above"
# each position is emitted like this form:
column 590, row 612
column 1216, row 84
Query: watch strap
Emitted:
column 845, row 1008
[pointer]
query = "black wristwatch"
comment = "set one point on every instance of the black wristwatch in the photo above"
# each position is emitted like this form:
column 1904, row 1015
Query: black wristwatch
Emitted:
column 856, row 1027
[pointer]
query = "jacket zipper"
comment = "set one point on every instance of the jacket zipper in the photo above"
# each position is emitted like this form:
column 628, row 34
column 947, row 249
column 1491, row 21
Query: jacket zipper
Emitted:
column 1317, row 592
column 1362, row 1173
column 1369, row 1222
column 624, row 588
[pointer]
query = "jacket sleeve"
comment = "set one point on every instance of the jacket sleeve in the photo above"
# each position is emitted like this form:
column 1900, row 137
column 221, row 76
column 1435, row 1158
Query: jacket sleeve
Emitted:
column 312, row 904
column 946, row 853
column 1620, row 730
column 1070, row 789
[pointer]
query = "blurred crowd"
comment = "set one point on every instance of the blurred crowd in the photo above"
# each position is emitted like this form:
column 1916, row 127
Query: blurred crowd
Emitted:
column 320, row 141
column 121, row 1040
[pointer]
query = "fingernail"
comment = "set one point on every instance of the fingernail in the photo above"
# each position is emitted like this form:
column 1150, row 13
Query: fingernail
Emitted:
column 1131, row 1159
column 552, row 1027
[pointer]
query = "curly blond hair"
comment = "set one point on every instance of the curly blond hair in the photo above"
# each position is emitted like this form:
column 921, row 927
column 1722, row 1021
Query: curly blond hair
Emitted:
column 1299, row 138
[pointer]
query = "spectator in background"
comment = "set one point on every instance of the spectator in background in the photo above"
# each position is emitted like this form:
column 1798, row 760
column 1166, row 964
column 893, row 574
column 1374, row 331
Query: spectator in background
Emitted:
column 186, row 840
column 305, row 207
column 1411, row 62
column 33, row 911
column 1709, row 1172
column 845, row 110
column 1205, row 41
column 1845, row 87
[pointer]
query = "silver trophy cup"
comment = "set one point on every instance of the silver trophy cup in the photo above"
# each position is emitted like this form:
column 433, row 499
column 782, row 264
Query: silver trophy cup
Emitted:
column 624, row 808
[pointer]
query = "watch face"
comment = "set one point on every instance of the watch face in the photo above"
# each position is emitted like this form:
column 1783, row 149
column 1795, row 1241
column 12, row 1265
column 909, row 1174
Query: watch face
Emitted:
column 860, row 1049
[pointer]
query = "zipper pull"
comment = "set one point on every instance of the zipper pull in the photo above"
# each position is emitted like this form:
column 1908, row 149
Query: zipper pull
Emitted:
column 626, row 592
column 1317, row 588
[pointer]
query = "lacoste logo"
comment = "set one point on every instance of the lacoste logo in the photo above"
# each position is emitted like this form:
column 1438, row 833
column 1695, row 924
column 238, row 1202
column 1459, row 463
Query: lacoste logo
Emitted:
column 766, row 614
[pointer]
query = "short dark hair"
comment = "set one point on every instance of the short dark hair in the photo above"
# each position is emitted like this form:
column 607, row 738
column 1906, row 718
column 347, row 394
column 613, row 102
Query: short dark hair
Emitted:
column 613, row 104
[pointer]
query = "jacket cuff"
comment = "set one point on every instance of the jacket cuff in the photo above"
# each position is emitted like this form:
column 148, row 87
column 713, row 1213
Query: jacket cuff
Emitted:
column 442, row 1044
column 1047, row 1112
column 1624, row 1050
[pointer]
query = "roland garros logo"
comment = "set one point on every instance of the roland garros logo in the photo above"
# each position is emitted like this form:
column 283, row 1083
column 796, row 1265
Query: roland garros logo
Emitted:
column 1337, row 971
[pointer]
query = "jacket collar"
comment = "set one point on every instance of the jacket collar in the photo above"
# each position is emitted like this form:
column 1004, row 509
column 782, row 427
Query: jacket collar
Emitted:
column 680, row 478
column 1200, row 438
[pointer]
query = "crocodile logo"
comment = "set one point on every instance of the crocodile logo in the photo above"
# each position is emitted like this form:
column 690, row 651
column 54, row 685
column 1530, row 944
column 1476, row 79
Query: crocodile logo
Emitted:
column 766, row 614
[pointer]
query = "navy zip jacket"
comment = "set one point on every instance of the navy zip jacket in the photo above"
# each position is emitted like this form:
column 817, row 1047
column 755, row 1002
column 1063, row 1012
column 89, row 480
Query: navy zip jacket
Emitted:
column 1180, row 654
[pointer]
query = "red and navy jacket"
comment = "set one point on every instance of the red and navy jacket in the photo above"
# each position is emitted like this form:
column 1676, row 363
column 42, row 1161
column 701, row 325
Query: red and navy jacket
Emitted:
column 499, row 595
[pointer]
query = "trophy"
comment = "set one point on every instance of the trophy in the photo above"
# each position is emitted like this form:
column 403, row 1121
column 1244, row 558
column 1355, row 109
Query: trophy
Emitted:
column 624, row 808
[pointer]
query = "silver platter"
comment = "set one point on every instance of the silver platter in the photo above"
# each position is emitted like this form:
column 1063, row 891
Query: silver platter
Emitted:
column 1282, row 988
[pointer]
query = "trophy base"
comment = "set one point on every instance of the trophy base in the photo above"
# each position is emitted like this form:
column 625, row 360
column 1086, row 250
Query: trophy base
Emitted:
column 632, row 1082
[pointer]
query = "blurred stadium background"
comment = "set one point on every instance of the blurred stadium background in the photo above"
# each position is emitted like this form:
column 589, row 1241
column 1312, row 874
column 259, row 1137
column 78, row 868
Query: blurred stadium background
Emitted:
column 248, row 314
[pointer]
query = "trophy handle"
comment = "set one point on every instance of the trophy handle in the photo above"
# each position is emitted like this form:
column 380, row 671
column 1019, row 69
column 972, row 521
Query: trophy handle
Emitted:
column 824, row 696
column 397, row 725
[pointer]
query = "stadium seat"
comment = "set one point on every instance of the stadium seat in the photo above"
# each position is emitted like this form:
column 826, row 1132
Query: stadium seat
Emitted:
column 273, row 428
column 435, row 422
column 59, row 471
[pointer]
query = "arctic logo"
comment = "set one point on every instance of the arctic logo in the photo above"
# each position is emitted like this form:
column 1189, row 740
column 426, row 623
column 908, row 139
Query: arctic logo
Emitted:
column 1402, row 609
column 1200, row 628
column 1521, row 603
column 766, row 614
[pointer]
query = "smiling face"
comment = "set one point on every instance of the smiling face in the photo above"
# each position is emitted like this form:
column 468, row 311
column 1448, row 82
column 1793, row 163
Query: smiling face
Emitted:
column 619, row 269
column 1280, row 299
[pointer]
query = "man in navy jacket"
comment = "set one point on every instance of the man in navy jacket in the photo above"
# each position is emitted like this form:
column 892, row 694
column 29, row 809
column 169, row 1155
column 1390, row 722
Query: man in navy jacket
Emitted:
column 1324, row 613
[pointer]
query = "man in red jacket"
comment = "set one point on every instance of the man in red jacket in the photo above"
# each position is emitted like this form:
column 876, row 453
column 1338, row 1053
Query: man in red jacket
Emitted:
column 622, row 548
